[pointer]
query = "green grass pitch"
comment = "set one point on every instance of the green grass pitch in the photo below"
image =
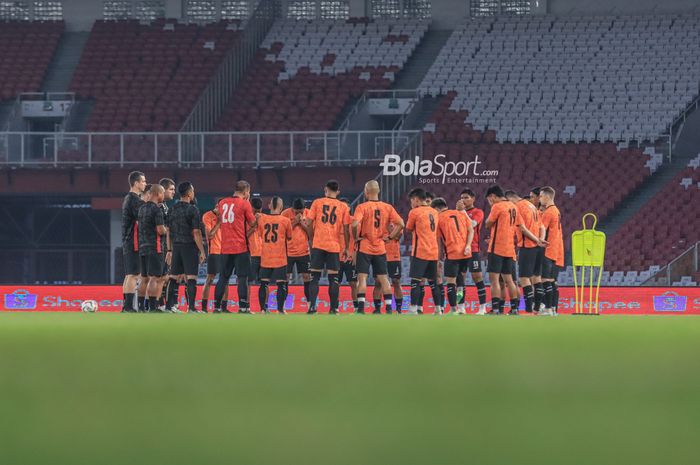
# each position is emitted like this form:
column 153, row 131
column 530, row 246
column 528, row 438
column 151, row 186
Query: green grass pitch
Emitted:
column 105, row 389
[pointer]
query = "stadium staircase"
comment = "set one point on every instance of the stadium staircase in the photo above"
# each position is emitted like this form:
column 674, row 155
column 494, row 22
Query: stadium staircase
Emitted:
column 64, row 61
column 422, row 59
column 686, row 147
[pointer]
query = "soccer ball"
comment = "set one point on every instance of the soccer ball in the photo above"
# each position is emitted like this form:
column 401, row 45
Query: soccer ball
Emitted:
column 89, row 306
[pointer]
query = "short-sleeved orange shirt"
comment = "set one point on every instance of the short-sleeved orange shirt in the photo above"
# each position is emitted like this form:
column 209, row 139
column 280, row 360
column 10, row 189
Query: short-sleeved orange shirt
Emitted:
column 298, row 245
column 454, row 229
column 254, row 243
column 423, row 221
column 329, row 217
column 531, row 220
column 393, row 248
column 210, row 221
column 274, row 232
column 505, row 219
column 374, row 218
column 352, row 247
column 551, row 220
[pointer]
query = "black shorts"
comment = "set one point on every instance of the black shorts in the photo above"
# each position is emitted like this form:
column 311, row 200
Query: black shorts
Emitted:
column 394, row 269
column 323, row 259
column 550, row 270
column 365, row 261
column 152, row 265
column 301, row 263
column 214, row 263
column 475, row 263
column 347, row 270
column 527, row 261
column 274, row 274
column 255, row 268
column 501, row 265
column 185, row 260
column 235, row 262
column 132, row 262
column 454, row 268
column 539, row 262
column 423, row 269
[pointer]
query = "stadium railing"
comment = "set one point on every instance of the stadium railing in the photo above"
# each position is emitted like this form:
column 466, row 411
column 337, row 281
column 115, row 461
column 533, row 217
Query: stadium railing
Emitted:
column 213, row 100
column 687, row 263
column 192, row 149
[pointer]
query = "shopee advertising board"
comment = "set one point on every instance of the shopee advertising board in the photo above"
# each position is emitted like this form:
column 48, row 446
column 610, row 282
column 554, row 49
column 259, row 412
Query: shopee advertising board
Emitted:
column 613, row 300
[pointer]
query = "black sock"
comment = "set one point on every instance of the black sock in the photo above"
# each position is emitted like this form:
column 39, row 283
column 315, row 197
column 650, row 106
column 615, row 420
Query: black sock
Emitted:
column 555, row 296
column 307, row 295
column 529, row 293
column 142, row 304
column 205, row 305
column 191, row 294
column 539, row 296
column 443, row 300
column 435, row 289
column 171, row 286
column 387, row 303
column 177, row 294
column 548, row 294
column 452, row 295
column 355, row 303
column 220, row 290
column 313, row 288
column 281, row 295
column 495, row 304
column 377, row 305
column 243, row 293
column 399, row 303
column 460, row 301
column 360, row 302
column 333, row 291
column 514, row 304
column 129, row 301
column 262, row 295
column 421, row 296
column 481, row 292
column 126, row 299
column 502, row 304
column 153, row 303
column 415, row 292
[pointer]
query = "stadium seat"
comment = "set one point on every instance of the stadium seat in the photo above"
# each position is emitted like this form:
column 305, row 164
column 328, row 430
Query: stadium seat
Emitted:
column 559, row 79
column 26, row 50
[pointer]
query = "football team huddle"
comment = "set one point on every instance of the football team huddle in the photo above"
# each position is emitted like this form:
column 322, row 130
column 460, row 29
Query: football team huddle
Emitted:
column 265, row 244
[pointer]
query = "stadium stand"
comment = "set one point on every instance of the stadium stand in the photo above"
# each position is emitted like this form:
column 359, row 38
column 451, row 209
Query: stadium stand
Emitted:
column 560, row 79
column 605, row 173
column 147, row 77
column 307, row 71
column 26, row 49
column 656, row 234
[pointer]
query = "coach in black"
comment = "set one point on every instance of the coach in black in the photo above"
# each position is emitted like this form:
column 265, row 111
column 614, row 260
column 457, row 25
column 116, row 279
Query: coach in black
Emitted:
column 187, row 247
column 130, row 211
column 151, row 231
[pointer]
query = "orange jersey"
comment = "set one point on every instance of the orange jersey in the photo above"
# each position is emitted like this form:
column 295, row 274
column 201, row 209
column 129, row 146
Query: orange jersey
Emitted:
column 210, row 221
column 393, row 248
column 352, row 247
column 373, row 219
column 298, row 245
column 329, row 217
column 274, row 232
column 422, row 221
column 531, row 220
column 254, row 243
column 454, row 227
column 506, row 220
column 551, row 220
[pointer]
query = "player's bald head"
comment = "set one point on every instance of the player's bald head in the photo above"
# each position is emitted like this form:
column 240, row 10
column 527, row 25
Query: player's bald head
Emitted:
column 372, row 187
column 157, row 189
